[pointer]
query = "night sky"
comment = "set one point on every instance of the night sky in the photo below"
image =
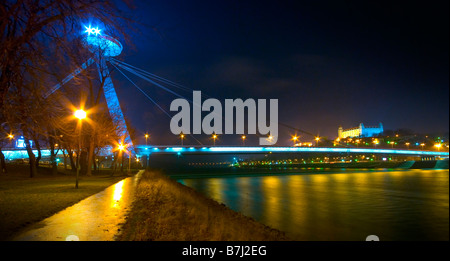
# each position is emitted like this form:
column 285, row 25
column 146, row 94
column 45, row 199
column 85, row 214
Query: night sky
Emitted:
column 328, row 63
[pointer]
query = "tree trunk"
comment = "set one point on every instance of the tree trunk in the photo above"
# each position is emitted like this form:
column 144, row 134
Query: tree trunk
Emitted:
column 31, row 157
column 38, row 147
column 2, row 161
column 53, row 159
column 90, row 158
column 65, row 162
column 72, row 162
column 83, row 163
column 95, row 164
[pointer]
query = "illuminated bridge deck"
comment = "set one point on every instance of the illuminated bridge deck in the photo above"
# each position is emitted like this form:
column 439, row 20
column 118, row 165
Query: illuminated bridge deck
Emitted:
column 146, row 150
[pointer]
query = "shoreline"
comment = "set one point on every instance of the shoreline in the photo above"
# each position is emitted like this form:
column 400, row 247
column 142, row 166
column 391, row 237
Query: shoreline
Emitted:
column 165, row 210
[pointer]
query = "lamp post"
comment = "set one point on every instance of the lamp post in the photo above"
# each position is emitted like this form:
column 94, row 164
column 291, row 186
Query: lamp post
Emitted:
column 294, row 139
column 422, row 145
column 317, row 141
column 80, row 115
column 214, row 138
column 407, row 145
column 181, row 137
column 121, row 148
column 438, row 146
column 11, row 137
column 375, row 142
column 148, row 155
column 129, row 162
column 243, row 140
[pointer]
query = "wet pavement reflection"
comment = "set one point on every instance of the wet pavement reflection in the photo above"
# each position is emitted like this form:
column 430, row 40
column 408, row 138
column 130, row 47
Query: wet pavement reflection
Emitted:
column 96, row 218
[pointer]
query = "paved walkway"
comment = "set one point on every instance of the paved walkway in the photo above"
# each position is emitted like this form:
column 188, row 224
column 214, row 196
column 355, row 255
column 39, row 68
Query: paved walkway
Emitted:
column 96, row 218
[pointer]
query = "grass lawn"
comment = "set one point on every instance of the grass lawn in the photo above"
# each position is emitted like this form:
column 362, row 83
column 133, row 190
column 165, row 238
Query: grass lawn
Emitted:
column 25, row 200
column 165, row 210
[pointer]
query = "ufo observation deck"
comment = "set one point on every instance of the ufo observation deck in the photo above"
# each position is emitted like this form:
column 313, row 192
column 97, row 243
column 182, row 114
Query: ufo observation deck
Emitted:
column 99, row 43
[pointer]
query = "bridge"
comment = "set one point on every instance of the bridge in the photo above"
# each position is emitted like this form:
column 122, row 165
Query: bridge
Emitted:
column 143, row 150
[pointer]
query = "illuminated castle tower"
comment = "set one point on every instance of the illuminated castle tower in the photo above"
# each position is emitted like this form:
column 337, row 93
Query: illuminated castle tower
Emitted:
column 360, row 131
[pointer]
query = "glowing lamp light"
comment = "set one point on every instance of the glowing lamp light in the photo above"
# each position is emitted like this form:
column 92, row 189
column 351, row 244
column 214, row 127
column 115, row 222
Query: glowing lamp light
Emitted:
column 90, row 30
column 121, row 147
column 80, row 114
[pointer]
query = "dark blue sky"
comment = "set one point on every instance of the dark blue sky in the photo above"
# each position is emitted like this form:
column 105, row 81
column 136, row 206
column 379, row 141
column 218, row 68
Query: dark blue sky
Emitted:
column 329, row 63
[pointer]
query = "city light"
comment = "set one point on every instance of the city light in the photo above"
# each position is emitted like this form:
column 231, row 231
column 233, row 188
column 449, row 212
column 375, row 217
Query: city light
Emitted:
column 80, row 114
column 214, row 136
column 294, row 139
column 438, row 146
column 181, row 137
column 90, row 30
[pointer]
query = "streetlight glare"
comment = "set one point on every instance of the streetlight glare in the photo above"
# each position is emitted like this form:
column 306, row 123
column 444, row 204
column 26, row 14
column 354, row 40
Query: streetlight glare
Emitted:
column 80, row 114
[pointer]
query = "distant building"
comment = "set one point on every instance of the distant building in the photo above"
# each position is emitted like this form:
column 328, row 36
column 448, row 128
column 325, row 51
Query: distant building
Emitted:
column 360, row 131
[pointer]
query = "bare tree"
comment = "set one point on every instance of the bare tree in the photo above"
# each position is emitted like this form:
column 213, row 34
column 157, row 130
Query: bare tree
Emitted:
column 28, row 30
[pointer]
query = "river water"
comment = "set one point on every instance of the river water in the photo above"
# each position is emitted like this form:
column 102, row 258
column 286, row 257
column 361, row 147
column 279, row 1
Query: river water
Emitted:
column 346, row 205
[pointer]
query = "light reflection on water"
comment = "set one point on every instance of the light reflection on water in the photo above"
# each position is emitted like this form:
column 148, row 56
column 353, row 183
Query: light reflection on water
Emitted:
column 394, row 205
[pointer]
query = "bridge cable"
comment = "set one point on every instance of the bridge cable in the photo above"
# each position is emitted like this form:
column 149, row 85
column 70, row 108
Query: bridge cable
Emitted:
column 163, row 87
column 146, row 95
column 158, row 78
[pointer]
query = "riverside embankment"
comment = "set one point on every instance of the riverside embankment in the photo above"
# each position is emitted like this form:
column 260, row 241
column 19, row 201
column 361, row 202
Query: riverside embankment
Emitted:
column 164, row 210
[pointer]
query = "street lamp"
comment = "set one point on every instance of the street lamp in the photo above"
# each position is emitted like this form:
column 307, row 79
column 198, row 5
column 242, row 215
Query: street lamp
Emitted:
column 270, row 138
column 294, row 139
column 317, row 141
column 181, row 137
column 80, row 115
column 214, row 138
column 407, row 145
column 438, row 146
column 375, row 142
column 11, row 137
column 422, row 144
column 121, row 149
column 146, row 138
column 243, row 140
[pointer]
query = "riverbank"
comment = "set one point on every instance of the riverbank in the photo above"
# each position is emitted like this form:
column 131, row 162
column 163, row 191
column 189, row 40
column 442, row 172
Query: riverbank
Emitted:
column 164, row 210
column 25, row 200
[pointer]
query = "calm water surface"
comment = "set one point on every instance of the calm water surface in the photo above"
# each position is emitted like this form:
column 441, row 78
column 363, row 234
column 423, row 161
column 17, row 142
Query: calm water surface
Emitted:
column 394, row 205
